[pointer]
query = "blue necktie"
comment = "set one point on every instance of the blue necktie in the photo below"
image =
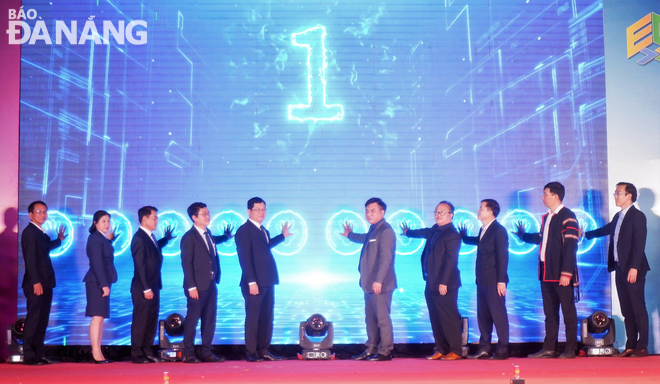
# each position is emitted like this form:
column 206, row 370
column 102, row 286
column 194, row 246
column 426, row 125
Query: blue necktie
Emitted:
column 153, row 237
column 210, row 244
column 263, row 229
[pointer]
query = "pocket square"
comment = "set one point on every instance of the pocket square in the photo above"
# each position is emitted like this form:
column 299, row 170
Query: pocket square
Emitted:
column 372, row 240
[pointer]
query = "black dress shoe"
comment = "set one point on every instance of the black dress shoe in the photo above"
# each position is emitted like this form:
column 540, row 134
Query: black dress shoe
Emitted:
column 48, row 360
column 480, row 355
column 106, row 361
column 363, row 356
column 140, row 360
column 213, row 359
column 567, row 355
column 33, row 362
column 379, row 357
column 269, row 356
column 625, row 353
column 542, row 354
column 500, row 356
column 191, row 360
column 641, row 352
column 155, row 359
column 253, row 358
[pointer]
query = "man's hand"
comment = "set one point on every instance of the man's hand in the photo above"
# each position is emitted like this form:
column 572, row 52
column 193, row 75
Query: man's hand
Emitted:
column 462, row 229
column 285, row 229
column 632, row 275
column 228, row 230
column 580, row 231
column 501, row 289
column 443, row 289
column 106, row 291
column 376, row 287
column 61, row 233
column 348, row 228
column 149, row 295
column 520, row 229
column 194, row 293
column 404, row 228
column 38, row 289
column 254, row 289
column 564, row 280
column 169, row 233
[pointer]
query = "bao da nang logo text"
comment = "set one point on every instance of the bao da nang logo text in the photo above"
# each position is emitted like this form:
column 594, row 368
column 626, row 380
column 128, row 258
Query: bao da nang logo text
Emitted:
column 39, row 31
column 642, row 35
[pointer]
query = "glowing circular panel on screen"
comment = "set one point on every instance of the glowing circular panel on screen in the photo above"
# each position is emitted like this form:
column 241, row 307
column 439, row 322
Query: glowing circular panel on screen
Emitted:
column 218, row 225
column 404, row 244
column 55, row 219
column 588, row 224
column 179, row 224
column 473, row 224
column 294, row 243
column 123, row 232
column 517, row 246
column 339, row 243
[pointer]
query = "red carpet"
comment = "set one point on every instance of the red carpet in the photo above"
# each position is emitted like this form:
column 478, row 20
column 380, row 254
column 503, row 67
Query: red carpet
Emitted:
column 581, row 370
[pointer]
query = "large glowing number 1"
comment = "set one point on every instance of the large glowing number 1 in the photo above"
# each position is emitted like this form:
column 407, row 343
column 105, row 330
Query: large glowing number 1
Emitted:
column 313, row 39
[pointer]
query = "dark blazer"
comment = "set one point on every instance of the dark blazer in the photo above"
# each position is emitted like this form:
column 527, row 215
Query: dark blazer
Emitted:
column 492, row 254
column 440, row 255
column 197, row 261
column 254, row 255
column 36, row 247
column 377, row 257
column 101, row 256
column 147, row 262
column 631, row 244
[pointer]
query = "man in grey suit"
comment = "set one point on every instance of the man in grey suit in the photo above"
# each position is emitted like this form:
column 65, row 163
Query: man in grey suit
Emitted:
column 377, row 279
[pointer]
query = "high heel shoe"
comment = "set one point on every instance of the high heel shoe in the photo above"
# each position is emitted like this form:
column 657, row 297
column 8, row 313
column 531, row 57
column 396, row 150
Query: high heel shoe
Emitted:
column 105, row 361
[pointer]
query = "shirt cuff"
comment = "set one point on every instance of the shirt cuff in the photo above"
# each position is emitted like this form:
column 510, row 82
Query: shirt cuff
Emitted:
column 148, row 290
column 567, row 274
column 252, row 283
column 190, row 289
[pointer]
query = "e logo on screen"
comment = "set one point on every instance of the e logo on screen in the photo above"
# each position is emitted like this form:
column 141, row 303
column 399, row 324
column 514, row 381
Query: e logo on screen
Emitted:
column 39, row 31
column 641, row 35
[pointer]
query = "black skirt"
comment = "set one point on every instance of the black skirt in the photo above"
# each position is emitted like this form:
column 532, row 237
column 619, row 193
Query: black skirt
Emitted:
column 97, row 305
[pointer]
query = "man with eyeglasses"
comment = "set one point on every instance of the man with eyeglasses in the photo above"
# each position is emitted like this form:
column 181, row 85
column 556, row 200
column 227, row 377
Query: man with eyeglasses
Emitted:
column 38, row 282
column 258, row 280
column 440, row 270
column 627, row 259
column 558, row 243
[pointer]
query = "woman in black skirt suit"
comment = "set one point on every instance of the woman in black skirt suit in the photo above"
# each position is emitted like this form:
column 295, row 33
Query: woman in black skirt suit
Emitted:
column 101, row 275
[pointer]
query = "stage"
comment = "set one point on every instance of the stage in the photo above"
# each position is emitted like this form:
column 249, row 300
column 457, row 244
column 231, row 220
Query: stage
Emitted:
column 600, row 370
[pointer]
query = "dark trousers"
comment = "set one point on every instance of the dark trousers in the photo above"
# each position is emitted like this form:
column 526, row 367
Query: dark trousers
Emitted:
column 555, row 295
column 633, row 309
column 491, row 309
column 380, row 338
column 445, row 320
column 144, row 323
column 205, row 308
column 258, row 319
column 36, row 322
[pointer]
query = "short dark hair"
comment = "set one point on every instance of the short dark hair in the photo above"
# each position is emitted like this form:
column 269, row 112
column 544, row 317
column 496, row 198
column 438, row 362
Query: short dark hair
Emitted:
column 193, row 209
column 32, row 204
column 255, row 200
column 557, row 188
column 97, row 216
column 451, row 206
column 493, row 205
column 630, row 189
column 378, row 201
column 145, row 211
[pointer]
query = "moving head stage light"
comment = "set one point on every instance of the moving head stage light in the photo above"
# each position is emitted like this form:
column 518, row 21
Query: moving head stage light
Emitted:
column 316, row 336
column 15, row 341
column 603, row 327
column 173, row 326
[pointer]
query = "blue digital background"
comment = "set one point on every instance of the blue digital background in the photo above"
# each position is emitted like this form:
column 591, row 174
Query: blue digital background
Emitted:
column 454, row 100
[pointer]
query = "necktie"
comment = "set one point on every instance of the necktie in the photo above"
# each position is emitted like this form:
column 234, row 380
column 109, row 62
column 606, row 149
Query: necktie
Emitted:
column 263, row 229
column 153, row 237
column 209, row 243
column 364, row 246
column 616, row 237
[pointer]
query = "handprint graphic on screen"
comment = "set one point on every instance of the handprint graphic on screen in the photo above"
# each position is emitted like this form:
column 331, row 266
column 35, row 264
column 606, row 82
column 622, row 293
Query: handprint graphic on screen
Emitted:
column 220, row 222
column 335, row 226
column 55, row 222
column 530, row 224
column 298, row 229
column 469, row 220
column 406, row 245
column 123, row 231
column 179, row 225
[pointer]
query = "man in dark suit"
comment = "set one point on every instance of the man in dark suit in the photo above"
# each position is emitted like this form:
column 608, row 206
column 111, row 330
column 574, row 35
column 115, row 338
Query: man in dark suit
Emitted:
column 146, row 285
column 627, row 259
column 557, row 239
column 38, row 282
column 377, row 279
column 201, row 274
column 258, row 280
column 491, row 277
column 440, row 270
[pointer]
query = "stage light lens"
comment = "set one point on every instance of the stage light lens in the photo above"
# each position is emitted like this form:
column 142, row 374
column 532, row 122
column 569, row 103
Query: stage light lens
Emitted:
column 18, row 327
column 174, row 325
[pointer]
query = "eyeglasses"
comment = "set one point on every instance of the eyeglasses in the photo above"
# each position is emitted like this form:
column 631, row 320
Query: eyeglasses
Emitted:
column 39, row 211
column 258, row 210
column 442, row 213
column 615, row 194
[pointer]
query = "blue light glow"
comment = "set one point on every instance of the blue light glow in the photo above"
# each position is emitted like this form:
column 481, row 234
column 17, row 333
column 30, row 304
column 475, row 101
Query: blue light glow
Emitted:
column 588, row 224
column 470, row 220
column 123, row 232
column 218, row 225
column 294, row 243
column 406, row 245
column 517, row 246
column 180, row 225
column 339, row 243
column 55, row 219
